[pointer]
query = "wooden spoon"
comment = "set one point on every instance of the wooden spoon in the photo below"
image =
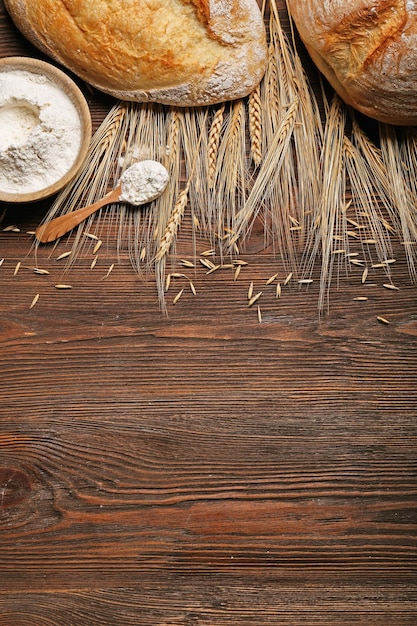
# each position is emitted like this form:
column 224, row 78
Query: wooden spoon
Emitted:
column 141, row 183
column 63, row 224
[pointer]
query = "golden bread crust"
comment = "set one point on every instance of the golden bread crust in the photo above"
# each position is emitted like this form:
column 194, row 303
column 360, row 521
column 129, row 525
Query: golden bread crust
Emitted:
column 182, row 52
column 367, row 49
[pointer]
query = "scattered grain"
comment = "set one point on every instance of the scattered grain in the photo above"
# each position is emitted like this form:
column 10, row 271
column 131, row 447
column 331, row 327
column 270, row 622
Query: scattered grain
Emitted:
column 186, row 263
column 64, row 255
column 254, row 299
column 278, row 290
column 109, row 271
column 271, row 279
column 34, row 301
column 42, row 272
column 178, row 296
column 91, row 236
column 63, row 286
column 193, row 289
column 360, row 299
column 94, row 262
column 206, row 263
column 17, row 268
column 259, row 315
column 305, row 281
column 391, row 286
column 240, row 262
column 250, row 291
column 287, row 280
column 364, row 275
column 382, row 320
column 97, row 246
column 237, row 272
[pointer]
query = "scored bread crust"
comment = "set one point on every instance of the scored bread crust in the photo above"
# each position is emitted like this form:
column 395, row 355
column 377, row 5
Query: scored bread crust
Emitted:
column 367, row 49
column 179, row 52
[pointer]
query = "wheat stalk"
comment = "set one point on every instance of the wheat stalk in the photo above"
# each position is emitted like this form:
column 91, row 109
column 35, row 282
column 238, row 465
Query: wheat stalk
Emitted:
column 269, row 169
column 393, row 158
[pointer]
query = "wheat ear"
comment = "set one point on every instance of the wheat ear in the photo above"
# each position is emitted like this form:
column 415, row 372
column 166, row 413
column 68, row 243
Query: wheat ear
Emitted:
column 174, row 222
column 213, row 144
column 255, row 125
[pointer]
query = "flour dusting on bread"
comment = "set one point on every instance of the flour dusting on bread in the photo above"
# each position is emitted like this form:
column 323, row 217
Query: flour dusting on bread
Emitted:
column 179, row 52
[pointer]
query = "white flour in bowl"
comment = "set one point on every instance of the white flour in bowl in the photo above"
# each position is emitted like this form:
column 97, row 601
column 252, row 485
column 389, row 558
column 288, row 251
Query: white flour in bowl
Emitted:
column 40, row 132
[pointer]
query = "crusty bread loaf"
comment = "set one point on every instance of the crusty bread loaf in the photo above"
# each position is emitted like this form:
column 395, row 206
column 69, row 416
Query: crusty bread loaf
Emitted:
column 367, row 49
column 180, row 52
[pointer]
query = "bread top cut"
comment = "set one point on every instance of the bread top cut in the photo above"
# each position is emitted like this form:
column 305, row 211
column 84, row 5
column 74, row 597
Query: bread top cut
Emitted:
column 367, row 49
column 181, row 52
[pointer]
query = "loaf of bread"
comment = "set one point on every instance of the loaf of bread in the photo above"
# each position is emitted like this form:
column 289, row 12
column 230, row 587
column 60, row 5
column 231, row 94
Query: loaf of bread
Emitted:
column 179, row 52
column 367, row 49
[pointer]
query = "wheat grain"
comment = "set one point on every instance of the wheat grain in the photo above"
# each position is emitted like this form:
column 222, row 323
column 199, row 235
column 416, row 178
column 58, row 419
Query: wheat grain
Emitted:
column 109, row 271
column 42, row 272
column 383, row 320
column 390, row 286
column 240, row 262
column 34, row 301
column 64, row 255
column 259, row 314
column 254, row 299
column 271, row 279
column 167, row 282
column 178, row 296
column 250, row 291
column 62, row 286
column 207, row 263
column 97, row 246
column 17, row 268
column 91, row 236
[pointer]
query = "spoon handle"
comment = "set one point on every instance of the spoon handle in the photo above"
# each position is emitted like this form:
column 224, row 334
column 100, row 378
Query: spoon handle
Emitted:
column 64, row 223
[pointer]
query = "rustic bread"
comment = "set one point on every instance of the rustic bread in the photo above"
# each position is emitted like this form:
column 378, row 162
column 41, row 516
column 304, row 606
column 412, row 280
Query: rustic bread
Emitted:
column 179, row 52
column 367, row 49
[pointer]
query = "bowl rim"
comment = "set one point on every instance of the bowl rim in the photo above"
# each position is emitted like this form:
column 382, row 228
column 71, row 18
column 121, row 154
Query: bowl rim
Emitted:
column 60, row 78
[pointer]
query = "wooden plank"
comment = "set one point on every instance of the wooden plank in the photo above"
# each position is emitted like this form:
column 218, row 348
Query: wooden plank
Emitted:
column 202, row 467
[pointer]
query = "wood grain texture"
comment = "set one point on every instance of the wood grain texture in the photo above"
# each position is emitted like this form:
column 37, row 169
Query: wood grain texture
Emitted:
column 202, row 468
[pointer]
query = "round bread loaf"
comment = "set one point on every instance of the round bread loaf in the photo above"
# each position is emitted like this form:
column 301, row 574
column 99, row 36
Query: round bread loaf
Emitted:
column 367, row 49
column 179, row 52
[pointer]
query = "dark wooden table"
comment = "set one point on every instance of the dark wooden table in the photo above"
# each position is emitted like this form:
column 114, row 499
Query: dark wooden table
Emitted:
column 202, row 467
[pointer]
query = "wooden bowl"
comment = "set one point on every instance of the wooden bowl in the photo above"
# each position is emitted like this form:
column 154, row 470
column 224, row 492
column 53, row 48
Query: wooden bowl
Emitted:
column 64, row 82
